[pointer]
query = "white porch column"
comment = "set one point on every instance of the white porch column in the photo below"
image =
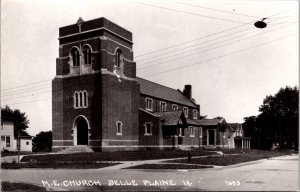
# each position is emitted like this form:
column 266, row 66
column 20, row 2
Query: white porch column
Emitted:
column 242, row 144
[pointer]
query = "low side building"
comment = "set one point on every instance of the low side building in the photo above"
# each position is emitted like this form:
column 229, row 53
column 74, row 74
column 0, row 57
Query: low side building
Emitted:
column 9, row 140
column 236, row 137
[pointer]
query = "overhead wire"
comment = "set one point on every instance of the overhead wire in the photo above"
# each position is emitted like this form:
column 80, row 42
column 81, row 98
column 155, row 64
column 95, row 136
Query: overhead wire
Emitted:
column 219, row 32
column 221, row 56
column 186, row 12
column 149, row 52
column 218, row 10
column 207, row 49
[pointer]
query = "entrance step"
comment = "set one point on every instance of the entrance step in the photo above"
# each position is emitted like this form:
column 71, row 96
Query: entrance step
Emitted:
column 77, row 149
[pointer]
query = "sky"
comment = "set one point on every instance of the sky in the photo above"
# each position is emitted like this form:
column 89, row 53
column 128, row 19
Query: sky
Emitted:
column 212, row 45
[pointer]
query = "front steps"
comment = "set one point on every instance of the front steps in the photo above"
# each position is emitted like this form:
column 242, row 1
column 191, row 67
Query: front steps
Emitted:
column 77, row 149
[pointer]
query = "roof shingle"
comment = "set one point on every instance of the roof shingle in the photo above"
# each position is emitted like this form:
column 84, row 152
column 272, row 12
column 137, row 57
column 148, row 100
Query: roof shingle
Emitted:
column 163, row 92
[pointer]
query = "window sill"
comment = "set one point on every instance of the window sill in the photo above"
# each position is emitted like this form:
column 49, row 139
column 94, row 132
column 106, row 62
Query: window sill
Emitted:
column 149, row 110
column 192, row 135
column 147, row 134
column 120, row 134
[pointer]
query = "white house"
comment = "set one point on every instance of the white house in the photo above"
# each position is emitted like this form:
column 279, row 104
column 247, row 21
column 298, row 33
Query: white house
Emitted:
column 9, row 141
column 236, row 137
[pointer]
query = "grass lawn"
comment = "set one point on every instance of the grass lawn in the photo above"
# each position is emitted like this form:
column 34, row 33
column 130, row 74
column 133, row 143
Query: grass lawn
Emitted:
column 13, row 153
column 56, row 165
column 168, row 166
column 233, row 159
column 113, row 156
column 7, row 186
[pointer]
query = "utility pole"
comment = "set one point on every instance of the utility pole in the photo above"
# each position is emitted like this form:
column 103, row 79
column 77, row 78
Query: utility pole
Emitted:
column 18, row 145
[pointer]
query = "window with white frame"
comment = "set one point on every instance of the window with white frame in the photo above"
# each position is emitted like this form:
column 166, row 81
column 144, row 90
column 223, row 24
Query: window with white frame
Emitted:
column 119, row 127
column 163, row 106
column 118, row 57
column 186, row 111
column 180, row 132
column 175, row 107
column 200, row 131
column 86, row 50
column 2, row 138
column 195, row 114
column 75, row 57
column 192, row 131
column 80, row 99
column 149, row 104
column 148, row 129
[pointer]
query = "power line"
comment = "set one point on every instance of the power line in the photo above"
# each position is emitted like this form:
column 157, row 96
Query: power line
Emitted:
column 28, row 101
column 25, row 91
column 231, row 53
column 26, row 85
column 208, row 8
column 207, row 49
column 26, row 95
column 176, row 10
column 199, row 43
column 214, row 58
column 141, row 55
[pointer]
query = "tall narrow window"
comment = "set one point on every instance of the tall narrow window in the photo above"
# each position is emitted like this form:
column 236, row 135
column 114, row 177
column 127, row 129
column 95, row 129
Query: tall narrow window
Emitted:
column 192, row 131
column 118, row 58
column 8, row 141
column 200, row 131
column 86, row 54
column 76, row 98
column 119, row 128
column 149, row 104
column 195, row 114
column 85, row 99
column 186, row 111
column 163, row 106
column 148, row 129
column 181, row 132
column 175, row 107
column 80, row 99
column 75, row 56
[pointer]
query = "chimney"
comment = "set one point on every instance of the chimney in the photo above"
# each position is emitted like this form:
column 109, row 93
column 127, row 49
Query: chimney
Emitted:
column 187, row 91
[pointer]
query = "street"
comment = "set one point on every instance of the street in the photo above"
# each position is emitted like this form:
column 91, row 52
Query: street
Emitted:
column 275, row 174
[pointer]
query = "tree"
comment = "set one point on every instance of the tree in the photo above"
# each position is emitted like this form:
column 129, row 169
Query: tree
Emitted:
column 42, row 141
column 19, row 118
column 278, row 120
column 281, row 111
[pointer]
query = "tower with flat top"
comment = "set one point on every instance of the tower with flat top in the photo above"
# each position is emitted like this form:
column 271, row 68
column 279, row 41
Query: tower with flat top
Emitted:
column 95, row 94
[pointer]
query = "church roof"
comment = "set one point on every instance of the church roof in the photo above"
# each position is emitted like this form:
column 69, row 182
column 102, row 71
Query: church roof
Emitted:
column 162, row 92
column 171, row 117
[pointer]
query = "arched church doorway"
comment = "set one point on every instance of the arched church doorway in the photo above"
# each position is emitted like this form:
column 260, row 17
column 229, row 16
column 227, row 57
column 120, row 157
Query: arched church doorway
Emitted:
column 81, row 130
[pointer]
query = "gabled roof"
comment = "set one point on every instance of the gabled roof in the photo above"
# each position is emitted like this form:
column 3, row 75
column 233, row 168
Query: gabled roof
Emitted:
column 166, row 93
column 171, row 117
column 210, row 122
column 193, row 122
column 236, row 126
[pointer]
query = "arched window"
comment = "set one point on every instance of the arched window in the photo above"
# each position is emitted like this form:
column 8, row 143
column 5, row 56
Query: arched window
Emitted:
column 87, row 54
column 76, row 99
column 85, row 99
column 80, row 99
column 74, row 53
column 118, row 57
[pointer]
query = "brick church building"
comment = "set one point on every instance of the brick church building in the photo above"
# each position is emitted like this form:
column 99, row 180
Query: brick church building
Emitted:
column 99, row 102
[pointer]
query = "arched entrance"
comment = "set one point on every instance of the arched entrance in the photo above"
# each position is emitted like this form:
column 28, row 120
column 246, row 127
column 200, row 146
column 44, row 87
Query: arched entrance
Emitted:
column 81, row 131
